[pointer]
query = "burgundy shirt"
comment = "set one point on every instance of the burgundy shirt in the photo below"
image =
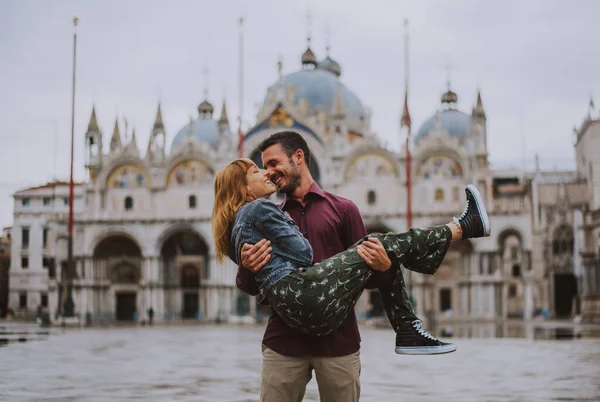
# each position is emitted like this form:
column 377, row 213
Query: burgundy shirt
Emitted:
column 331, row 224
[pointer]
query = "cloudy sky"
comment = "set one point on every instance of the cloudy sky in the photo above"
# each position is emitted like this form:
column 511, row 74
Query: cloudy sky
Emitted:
column 536, row 63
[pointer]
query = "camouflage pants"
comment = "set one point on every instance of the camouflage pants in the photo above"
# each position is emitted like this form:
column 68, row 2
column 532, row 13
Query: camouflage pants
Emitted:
column 316, row 300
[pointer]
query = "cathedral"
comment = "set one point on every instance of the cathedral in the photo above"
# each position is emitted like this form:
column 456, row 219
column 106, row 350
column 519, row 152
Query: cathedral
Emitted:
column 143, row 239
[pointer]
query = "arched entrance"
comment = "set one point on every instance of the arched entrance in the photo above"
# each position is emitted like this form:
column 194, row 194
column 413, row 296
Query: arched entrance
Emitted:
column 565, row 282
column 190, row 284
column 119, row 259
column 185, row 259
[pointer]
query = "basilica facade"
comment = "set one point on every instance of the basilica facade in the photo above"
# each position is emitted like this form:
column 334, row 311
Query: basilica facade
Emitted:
column 143, row 233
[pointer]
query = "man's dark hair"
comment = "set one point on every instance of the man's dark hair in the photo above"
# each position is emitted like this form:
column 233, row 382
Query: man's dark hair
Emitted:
column 290, row 141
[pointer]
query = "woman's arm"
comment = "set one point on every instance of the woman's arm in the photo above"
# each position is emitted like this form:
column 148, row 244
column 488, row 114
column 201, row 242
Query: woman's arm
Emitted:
column 283, row 233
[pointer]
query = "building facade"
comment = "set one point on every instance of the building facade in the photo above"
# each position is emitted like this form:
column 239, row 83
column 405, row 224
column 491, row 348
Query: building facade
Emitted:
column 39, row 244
column 143, row 234
column 587, row 154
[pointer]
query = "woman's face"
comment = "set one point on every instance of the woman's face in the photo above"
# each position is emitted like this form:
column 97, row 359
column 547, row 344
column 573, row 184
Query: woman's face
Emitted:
column 259, row 183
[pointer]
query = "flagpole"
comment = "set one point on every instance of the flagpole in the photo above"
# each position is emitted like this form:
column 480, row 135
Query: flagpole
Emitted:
column 68, row 308
column 241, row 90
column 406, row 121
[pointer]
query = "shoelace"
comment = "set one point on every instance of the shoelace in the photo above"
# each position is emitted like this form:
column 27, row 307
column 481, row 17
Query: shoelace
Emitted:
column 465, row 211
column 418, row 324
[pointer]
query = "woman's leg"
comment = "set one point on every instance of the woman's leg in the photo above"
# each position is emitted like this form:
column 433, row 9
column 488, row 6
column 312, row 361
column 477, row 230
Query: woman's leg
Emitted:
column 315, row 300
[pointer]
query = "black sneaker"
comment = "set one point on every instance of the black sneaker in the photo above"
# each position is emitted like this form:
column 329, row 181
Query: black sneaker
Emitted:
column 474, row 220
column 414, row 340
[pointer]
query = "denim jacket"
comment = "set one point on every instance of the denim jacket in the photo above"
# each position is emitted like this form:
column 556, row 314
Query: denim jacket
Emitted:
column 263, row 219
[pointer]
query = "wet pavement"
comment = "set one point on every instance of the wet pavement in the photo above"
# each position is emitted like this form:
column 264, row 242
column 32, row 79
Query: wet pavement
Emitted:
column 516, row 362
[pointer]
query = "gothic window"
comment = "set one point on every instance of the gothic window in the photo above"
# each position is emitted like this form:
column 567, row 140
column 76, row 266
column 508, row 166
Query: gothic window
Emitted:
column 563, row 242
column 439, row 195
column 192, row 201
column 371, row 197
column 516, row 271
column 128, row 203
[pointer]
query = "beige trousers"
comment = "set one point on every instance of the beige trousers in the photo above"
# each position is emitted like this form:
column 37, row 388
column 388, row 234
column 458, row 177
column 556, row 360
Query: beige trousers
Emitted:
column 284, row 378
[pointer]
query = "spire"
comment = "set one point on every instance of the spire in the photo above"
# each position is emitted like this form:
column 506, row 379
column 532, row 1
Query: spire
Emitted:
column 133, row 142
column 93, row 126
column 224, row 119
column 478, row 110
column 115, row 141
column 158, row 122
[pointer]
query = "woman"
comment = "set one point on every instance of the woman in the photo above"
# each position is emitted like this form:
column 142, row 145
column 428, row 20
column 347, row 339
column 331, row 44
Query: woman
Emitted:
column 316, row 299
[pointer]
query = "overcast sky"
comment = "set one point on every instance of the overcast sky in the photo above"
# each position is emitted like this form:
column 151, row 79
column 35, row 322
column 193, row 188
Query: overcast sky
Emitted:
column 537, row 64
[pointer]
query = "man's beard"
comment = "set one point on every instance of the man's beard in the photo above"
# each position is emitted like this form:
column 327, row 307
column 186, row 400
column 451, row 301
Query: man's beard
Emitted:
column 293, row 182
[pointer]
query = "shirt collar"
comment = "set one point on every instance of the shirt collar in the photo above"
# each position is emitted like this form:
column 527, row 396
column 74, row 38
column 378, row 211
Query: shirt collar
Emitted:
column 314, row 189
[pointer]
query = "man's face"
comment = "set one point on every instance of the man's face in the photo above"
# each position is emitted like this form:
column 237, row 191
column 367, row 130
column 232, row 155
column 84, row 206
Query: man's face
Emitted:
column 281, row 169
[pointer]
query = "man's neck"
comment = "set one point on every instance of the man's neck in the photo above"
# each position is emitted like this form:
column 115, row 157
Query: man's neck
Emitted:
column 302, row 190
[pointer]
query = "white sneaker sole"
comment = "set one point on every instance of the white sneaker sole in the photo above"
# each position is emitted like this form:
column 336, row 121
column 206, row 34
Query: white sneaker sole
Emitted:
column 425, row 350
column 481, row 209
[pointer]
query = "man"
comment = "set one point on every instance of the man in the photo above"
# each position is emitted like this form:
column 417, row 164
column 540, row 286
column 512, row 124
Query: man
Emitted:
column 331, row 224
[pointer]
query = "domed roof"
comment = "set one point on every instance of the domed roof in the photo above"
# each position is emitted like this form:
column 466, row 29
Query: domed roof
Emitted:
column 455, row 122
column 319, row 88
column 309, row 57
column 449, row 97
column 328, row 64
column 206, row 107
column 203, row 130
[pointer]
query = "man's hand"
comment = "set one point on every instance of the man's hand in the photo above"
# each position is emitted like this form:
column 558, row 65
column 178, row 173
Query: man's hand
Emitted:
column 255, row 257
column 374, row 255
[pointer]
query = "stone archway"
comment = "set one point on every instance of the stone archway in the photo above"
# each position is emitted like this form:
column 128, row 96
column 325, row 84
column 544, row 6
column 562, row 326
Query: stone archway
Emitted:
column 184, row 257
column 118, row 258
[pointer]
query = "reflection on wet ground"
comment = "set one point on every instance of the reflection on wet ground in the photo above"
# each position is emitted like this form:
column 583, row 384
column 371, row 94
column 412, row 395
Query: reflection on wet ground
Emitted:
column 494, row 362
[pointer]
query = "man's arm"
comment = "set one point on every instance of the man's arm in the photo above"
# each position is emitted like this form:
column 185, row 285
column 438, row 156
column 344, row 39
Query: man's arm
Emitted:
column 254, row 257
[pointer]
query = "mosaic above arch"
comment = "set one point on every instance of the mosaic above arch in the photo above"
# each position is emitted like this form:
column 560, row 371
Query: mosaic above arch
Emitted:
column 371, row 165
column 128, row 176
column 440, row 167
column 190, row 172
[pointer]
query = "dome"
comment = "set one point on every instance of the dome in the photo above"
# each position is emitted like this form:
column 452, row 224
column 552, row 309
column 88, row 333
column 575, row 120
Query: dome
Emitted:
column 449, row 97
column 456, row 123
column 319, row 88
column 309, row 57
column 206, row 107
column 203, row 130
column 330, row 65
